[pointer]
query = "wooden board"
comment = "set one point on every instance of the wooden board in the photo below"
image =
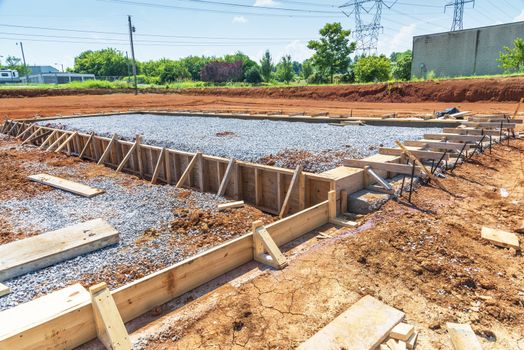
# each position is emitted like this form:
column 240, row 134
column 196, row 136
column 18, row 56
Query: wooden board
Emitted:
column 230, row 205
column 24, row 316
column 66, row 185
column 424, row 155
column 4, row 290
column 365, row 325
column 455, row 137
column 391, row 167
column 33, row 253
column 463, row 337
column 432, row 144
column 500, row 238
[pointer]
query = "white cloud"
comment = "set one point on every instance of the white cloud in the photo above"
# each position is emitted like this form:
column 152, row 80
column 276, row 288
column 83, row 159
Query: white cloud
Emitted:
column 239, row 19
column 266, row 3
column 401, row 41
column 296, row 49
column 520, row 17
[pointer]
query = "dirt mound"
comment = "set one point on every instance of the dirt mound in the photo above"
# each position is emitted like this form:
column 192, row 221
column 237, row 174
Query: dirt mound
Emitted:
column 464, row 90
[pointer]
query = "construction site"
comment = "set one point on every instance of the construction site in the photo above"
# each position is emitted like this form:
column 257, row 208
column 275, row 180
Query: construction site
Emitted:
column 184, row 228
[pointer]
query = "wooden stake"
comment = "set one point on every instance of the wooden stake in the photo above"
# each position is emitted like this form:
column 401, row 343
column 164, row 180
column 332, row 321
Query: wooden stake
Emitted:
column 343, row 201
column 139, row 156
column 66, row 142
column 157, row 167
column 5, row 125
column 25, row 131
column 48, row 139
column 422, row 166
column 30, row 138
column 21, row 130
column 187, row 172
column 292, row 185
column 110, row 328
column 58, row 140
column 128, row 155
column 168, row 168
column 81, row 155
column 227, row 177
column 262, row 242
column 107, row 150
column 518, row 108
column 332, row 200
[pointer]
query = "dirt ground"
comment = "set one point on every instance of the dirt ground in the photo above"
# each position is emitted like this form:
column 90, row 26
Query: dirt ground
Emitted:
column 426, row 259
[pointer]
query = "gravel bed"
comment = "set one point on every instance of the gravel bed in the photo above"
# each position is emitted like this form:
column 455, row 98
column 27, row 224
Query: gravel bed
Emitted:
column 248, row 140
column 130, row 209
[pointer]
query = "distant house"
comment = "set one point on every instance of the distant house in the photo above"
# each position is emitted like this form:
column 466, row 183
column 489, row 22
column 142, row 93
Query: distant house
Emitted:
column 51, row 75
column 42, row 69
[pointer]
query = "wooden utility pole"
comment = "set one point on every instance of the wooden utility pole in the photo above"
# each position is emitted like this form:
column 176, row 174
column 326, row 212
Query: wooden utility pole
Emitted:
column 131, row 31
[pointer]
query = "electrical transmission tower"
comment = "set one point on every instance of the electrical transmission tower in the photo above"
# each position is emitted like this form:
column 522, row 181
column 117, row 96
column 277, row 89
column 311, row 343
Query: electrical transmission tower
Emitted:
column 458, row 13
column 366, row 33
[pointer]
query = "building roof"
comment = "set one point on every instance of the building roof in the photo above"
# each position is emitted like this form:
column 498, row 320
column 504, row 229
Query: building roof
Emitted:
column 42, row 69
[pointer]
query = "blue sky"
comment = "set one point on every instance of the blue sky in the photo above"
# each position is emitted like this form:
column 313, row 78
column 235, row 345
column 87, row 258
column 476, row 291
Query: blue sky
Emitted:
column 251, row 29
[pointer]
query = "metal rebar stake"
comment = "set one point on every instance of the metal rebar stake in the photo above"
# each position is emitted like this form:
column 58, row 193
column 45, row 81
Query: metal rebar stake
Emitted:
column 411, row 182
column 460, row 154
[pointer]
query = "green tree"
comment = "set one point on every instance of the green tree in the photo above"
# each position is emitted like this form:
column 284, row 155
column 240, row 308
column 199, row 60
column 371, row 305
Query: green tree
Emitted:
column 307, row 69
column 253, row 75
column 194, row 64
column 15, row 63
column 401, row 65
column 512, row 59
column 173, row 71
column 266, row 66
column 105, row 62
column 333, row 49
column 285, row 71
column 372, row 69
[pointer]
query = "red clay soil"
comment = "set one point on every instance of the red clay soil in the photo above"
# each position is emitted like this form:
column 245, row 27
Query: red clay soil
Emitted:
column 17, row 108
column 466, row 90
column 427, row 260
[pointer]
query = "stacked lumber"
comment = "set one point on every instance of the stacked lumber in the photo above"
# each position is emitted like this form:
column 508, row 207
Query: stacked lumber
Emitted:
column 403, row 336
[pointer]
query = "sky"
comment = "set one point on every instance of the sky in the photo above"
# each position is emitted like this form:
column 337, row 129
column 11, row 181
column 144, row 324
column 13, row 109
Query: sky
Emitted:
column 53, row 32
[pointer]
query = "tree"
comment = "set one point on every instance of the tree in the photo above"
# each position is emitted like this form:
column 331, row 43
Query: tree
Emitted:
column 401, row 65
column 285, row 71
column 266, row 66
column 194, row 64
column 173, row 71
column 221, row 72
column 253, row 75
column 372, row 69
column 105, row 62
column 512, row 59
column 15, row 63
column 307, row 69
column 332, row 50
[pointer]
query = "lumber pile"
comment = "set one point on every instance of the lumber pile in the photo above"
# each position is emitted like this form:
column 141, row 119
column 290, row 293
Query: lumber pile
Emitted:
column 403, row 336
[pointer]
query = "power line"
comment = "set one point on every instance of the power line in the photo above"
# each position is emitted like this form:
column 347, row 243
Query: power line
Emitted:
column 184, row 8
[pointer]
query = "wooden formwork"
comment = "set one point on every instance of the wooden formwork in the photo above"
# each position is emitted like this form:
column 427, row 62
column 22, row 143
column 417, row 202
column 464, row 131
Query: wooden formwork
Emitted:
column 262, row 186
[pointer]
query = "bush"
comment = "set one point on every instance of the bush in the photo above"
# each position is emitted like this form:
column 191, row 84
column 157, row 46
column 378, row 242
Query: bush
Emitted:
column 221, row 72
column 512, row 59
column 372, row 69
column 253, row 75
column 402, row 66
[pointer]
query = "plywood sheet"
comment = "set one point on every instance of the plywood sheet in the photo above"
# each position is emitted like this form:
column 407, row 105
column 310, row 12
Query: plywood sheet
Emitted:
column 66, row 185
column 33, row 253
column 364, row 326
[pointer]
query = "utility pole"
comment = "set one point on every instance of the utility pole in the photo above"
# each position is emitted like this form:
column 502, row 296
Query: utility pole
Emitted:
column 366, row 34
column 131, row 31
column 458, row 13
column 128, row 68
column 25, row 65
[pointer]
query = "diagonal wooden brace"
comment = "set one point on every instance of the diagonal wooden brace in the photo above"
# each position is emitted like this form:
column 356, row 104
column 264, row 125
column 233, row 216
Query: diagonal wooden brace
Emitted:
column 262, row 243
column 110, row 328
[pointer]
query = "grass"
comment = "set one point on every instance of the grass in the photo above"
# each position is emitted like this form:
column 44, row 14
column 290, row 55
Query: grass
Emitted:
column 123, row 84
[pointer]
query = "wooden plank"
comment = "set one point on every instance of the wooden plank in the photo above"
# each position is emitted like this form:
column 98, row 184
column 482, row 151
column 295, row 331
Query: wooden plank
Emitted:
column 28, row 129
column 422, row 166
column 110, row 328
column 500, row 238
column 453, row 137
column 139, row 156
column 168, row 168
column 262, row 242
column 107, row 151
column 258, row 187
column 187, row 172
column 391, row 167
column 402, row 331
column 451, row 146
column 36, row 252
column 292, row 185
column 4, row 290
column 505, row 125
column 462, row 337
column 365, row 325
column 66, row 185
column 332, row 204
column 86, row 146
column 39, row 311
column 57, row 141
column 66, row 142
column 227, row 177
column 159, row 163
column 230, row 205
column 426, row 155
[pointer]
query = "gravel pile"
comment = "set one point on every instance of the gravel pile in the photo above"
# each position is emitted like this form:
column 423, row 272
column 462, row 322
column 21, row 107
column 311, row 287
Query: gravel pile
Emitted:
column 247, row 140
column 130, row 209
